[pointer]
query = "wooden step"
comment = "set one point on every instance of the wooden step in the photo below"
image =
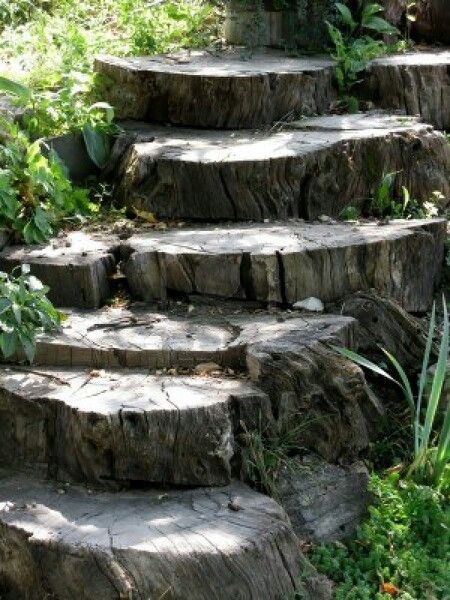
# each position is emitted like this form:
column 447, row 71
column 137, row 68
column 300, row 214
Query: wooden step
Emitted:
column 416, row 82
column 142, row 338
column 238, row 89
column 274, row 263
column 309, row 168
column 69, row 542
column 122, row 425
column 287, row 263
column 223, row 90
column 184, row 425
column 75, row 267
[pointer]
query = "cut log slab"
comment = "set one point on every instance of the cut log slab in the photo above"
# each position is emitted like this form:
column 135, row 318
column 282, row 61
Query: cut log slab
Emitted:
column 155, row 544
column 111, row 338
column 76, row 268
column 383, row 323
column 119, row 425
column 417, row 83
column 324, row 502
column 286, row 263
column 312, row 167
column 123, row 425
column 224, row 90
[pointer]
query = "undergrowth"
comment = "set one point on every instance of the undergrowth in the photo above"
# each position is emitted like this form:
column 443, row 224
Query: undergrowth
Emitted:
column 51, row 46
column 402, row 550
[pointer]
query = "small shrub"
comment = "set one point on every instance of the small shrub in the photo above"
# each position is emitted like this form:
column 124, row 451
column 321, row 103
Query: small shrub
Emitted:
column 24, row 311
column 354, row 45
column 349, row 213
column 35, row 193
column 386, row 204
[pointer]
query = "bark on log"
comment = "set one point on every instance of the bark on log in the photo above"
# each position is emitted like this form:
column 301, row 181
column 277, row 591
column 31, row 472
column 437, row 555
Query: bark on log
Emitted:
column 283, row 264
column 383, row 323
column 155, row 544
column 432, row 21
column 313, row 167
column 324, row 502
column 121, row 426
column 224, row 90
column 220, row 91
column 417, row 83
column 76, row 268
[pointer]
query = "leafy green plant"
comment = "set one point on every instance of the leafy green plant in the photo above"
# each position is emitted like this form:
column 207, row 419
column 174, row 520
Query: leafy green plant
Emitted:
column 45, row 113
column 349, row 213
column 35, row 193
column 25, row 311
column 354, row 45
column 385, row 204
column 401, row 550
column 431, row 449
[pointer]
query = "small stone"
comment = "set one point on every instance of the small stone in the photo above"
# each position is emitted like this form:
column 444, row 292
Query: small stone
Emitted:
column 324, row 219
column 234, row 505
column 311, row 304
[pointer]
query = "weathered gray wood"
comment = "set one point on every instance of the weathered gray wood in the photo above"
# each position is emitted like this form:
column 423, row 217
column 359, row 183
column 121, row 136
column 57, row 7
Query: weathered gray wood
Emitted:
column 432, row 21
column 222, row 90
column 320, row 398
column 282, row 25
column 417, row 83
column 324, row 502
column 312, row 167
column 153, row 545
column 383, row 323
column 286, row 263
column 122, row 425
column 75, row 267
column 112, row 338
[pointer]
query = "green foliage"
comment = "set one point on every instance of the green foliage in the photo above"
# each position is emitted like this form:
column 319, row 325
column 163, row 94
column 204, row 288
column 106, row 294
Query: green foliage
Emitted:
column 385, row 203
column 349, row 213
column 53, row 52
column 354, row 45
column 35, row 194
column 15, row 12
column 431, row 453
column 267, row 451
column 405, row 543
column 24, row 311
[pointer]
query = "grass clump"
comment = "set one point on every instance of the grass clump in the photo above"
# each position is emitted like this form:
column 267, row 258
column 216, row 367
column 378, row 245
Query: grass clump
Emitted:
column 402, row 550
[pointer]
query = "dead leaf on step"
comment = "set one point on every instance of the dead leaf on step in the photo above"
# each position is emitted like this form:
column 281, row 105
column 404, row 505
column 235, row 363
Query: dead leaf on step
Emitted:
column 145, row 215
column 97, row 373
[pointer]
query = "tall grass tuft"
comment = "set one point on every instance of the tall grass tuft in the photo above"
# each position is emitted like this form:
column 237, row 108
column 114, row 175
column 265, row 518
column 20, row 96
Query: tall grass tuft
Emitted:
column 431, row 441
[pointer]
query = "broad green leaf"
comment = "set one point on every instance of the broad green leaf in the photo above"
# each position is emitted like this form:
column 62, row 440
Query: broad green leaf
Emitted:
column 97, row 145
column 346, row 15
column 16, row 89
column 106, row 108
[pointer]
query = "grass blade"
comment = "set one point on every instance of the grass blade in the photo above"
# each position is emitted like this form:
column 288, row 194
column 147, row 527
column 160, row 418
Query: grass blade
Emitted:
column 364, row 362
column 438, row 382
column 405, row 381
column 423, row 377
